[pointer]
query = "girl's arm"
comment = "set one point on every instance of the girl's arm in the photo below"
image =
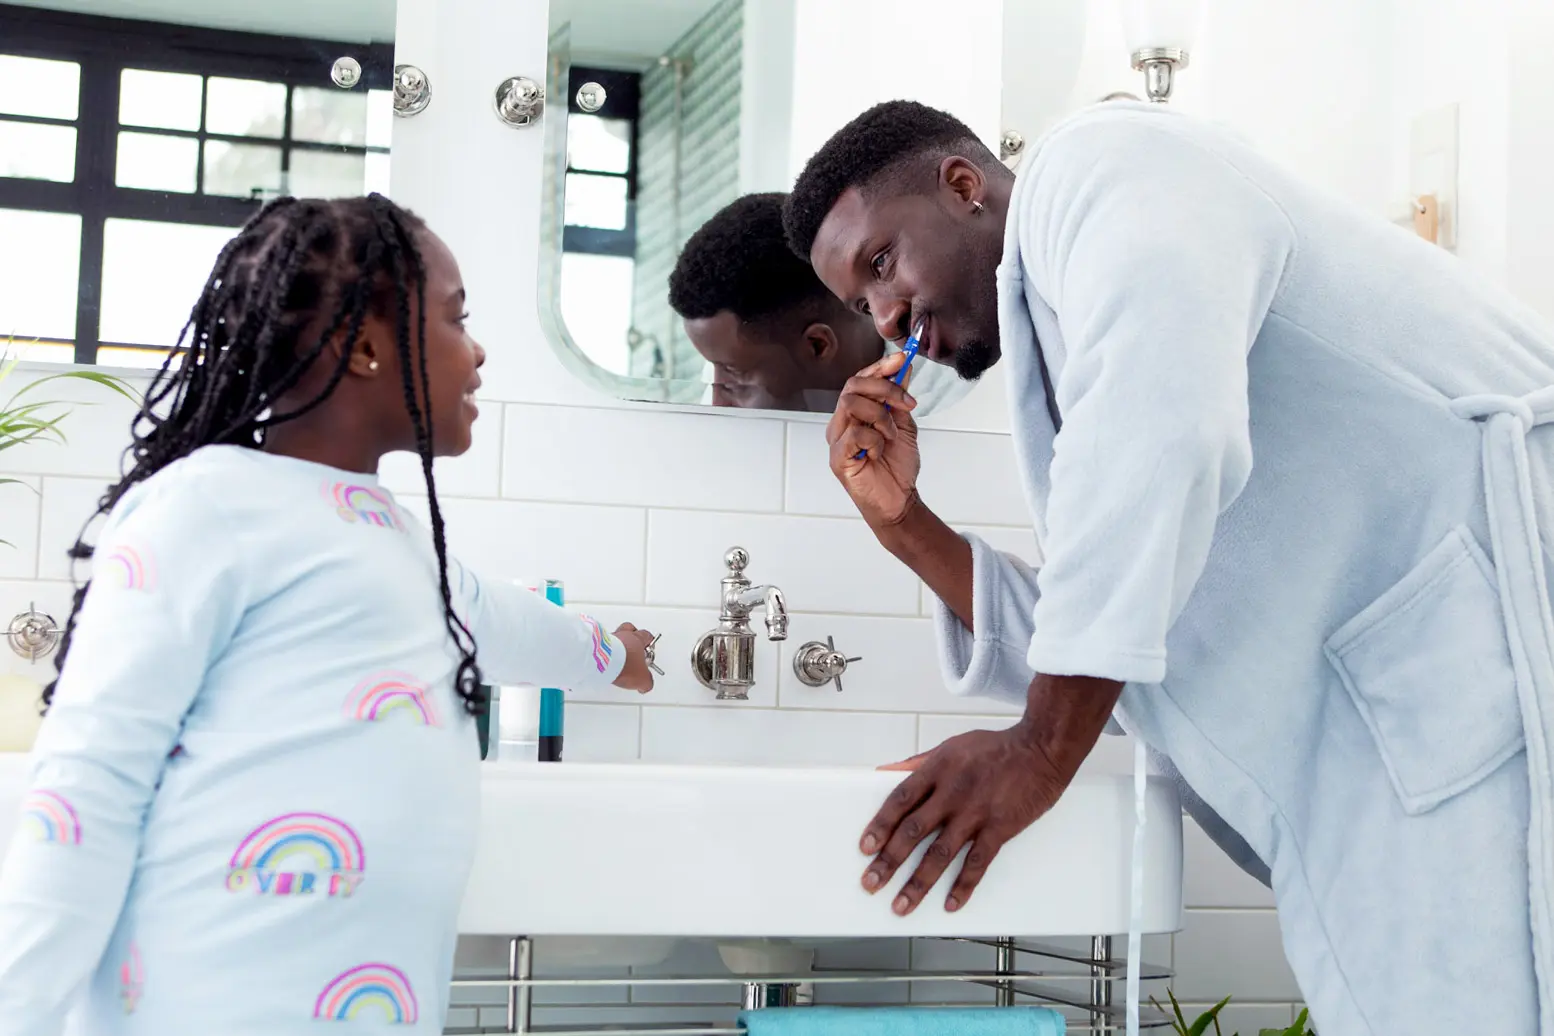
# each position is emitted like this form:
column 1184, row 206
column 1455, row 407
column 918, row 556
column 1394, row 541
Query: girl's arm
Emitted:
column 523, row 638
column 166, row 596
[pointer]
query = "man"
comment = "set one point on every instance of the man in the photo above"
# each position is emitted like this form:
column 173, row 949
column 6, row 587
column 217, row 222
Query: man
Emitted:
column 1292, row 471
column 776, row 338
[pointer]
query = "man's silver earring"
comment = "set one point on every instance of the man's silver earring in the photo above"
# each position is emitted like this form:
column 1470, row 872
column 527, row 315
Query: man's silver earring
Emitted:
column 372, row 365
column 977, row 208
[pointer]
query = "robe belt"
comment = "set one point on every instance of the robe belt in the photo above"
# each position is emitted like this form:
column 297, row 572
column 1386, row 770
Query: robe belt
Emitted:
column 1529, row 622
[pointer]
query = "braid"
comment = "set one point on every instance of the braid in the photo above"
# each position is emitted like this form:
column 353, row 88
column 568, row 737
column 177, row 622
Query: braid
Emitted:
column 258, row 327
column 399, row 243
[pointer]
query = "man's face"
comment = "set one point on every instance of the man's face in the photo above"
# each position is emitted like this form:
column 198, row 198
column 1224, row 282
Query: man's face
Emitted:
column 748, row 370
column 903, row 257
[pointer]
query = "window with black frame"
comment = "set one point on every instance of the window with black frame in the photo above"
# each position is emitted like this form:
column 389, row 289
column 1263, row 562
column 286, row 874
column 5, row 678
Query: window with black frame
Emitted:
column 599, row 239
column 131, row 151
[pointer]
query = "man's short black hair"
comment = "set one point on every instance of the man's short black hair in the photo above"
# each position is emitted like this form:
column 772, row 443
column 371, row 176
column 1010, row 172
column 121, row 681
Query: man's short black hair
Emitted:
column 739, row 260
column 884, row 139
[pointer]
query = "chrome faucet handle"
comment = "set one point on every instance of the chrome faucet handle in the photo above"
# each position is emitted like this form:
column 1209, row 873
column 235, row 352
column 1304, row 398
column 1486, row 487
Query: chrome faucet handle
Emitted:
column 817, row 664
column 651, row 654
column 737, row 559
column 33, row 635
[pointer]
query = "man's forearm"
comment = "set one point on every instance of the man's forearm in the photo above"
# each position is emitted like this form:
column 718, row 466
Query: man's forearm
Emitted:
column 1065, row 715
column 936, row 552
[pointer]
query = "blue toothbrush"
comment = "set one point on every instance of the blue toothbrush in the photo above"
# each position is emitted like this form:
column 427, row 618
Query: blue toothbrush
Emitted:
column 910, row 351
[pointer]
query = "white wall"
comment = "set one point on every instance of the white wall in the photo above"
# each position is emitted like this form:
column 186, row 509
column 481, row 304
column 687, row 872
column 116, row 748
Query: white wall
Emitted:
column 1529, row 214
column 853, row 55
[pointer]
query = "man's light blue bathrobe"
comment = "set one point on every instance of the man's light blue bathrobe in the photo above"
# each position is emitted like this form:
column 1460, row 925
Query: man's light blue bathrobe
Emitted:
column 1302, row 503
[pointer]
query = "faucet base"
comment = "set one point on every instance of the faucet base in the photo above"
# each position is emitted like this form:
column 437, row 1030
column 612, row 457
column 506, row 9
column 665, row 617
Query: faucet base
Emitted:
column 725, row 663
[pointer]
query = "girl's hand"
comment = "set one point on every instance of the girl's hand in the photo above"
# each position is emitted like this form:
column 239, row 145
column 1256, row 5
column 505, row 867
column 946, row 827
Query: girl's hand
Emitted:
column 635, row 675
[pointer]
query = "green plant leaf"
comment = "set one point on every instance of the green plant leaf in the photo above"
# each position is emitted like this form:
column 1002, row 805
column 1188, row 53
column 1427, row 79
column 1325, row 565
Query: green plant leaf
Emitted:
column 1207, row 1018
column 118, row 385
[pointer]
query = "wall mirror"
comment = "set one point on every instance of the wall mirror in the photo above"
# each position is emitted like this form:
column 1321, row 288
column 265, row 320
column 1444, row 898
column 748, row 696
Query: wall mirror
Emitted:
column 135, row 138
column 659, row 113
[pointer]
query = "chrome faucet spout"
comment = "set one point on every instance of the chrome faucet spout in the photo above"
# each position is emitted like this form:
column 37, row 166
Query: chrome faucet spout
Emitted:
column 771, row 599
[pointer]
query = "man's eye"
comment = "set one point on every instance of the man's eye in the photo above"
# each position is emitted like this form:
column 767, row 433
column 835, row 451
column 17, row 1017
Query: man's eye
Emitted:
column 878, row 263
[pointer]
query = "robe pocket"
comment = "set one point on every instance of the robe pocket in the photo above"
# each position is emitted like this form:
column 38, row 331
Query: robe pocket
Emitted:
column 1428, row 666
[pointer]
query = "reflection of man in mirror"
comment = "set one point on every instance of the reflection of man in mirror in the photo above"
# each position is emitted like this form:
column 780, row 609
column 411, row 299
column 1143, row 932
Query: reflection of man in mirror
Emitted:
column 776, row 338
column 1292, row 474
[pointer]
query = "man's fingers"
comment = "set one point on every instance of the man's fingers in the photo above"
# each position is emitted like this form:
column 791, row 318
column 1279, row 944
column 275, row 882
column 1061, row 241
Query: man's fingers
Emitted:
column 844, row 453
column 983, row 849
column 935, row 861
column 884, row 367
column 903, row 799
column 865, row 411
column 909, row 834
column 908, row 764
column 879, row 390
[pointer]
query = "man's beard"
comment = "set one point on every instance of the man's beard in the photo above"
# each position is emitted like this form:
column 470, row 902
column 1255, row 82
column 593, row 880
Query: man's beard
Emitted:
column 973, row 359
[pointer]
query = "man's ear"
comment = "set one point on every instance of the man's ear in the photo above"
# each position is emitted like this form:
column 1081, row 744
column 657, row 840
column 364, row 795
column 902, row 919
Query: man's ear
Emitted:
column 965, row 179
column 820, row 342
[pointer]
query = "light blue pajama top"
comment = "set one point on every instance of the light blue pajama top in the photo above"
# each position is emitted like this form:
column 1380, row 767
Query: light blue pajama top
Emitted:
column 1294, row 488
column 254, row 801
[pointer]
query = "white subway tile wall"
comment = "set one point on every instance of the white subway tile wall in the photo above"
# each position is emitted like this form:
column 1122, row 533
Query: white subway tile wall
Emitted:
column 611, row 501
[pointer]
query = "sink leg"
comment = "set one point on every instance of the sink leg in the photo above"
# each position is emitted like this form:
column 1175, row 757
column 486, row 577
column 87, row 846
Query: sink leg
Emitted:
column 1100, row 983
column 520, row 999
column 1003, row 964
column 756, row 995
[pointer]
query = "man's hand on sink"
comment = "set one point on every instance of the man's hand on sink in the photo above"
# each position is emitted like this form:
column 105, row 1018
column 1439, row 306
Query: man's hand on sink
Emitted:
column 980, row 788
column 984, row 787
column 637, row 674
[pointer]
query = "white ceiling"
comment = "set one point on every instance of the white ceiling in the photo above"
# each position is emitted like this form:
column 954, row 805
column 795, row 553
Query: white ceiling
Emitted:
column 625, row 33
column 345, row 21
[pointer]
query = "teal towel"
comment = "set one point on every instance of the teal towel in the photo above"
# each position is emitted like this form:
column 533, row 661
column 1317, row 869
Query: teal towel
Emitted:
column 903, row 1021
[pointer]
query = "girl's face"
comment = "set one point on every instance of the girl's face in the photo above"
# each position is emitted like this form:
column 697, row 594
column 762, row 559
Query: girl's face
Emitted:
column 453, row 358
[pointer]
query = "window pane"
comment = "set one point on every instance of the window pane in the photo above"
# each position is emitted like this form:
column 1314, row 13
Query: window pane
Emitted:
column 29, row 151
column 602, row 145
column 152, row 275
column 245, row 108
column 596, row 306
column 329, row 116
column 323, row 174
column 33, row 86
column 165, row 100
column 40, row 272
column 377, row 181
column 380, row 118
column 154, row 162
column 238, row 170
column 596, row 201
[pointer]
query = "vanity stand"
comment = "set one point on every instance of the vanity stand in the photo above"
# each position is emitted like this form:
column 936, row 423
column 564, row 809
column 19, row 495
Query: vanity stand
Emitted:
column 1087, row 989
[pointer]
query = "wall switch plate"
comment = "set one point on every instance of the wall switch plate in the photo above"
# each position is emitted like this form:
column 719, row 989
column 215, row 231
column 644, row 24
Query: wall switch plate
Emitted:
column 1432, row 166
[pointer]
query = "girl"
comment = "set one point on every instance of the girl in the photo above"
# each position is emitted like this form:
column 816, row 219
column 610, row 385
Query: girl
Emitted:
column 255, row 797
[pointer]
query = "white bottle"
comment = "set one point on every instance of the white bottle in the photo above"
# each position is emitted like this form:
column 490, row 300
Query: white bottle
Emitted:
column 518, row 723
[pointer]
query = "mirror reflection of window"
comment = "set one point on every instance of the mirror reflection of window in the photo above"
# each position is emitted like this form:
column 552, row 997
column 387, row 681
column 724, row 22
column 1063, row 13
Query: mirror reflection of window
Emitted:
column 599, row 241
column 187, row 132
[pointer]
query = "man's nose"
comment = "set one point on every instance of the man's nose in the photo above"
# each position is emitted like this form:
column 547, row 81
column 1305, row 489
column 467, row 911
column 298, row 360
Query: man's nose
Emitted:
column 891, row 317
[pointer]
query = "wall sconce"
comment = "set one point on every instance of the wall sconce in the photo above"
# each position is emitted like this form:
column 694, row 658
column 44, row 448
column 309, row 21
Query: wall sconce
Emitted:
column 1161, row 35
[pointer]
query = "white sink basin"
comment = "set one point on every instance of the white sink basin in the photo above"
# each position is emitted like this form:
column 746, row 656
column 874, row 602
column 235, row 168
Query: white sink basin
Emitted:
column 747, row 852
column 580, row 851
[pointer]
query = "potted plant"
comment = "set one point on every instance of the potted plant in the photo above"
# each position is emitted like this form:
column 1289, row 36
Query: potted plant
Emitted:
column 1200, row 1026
